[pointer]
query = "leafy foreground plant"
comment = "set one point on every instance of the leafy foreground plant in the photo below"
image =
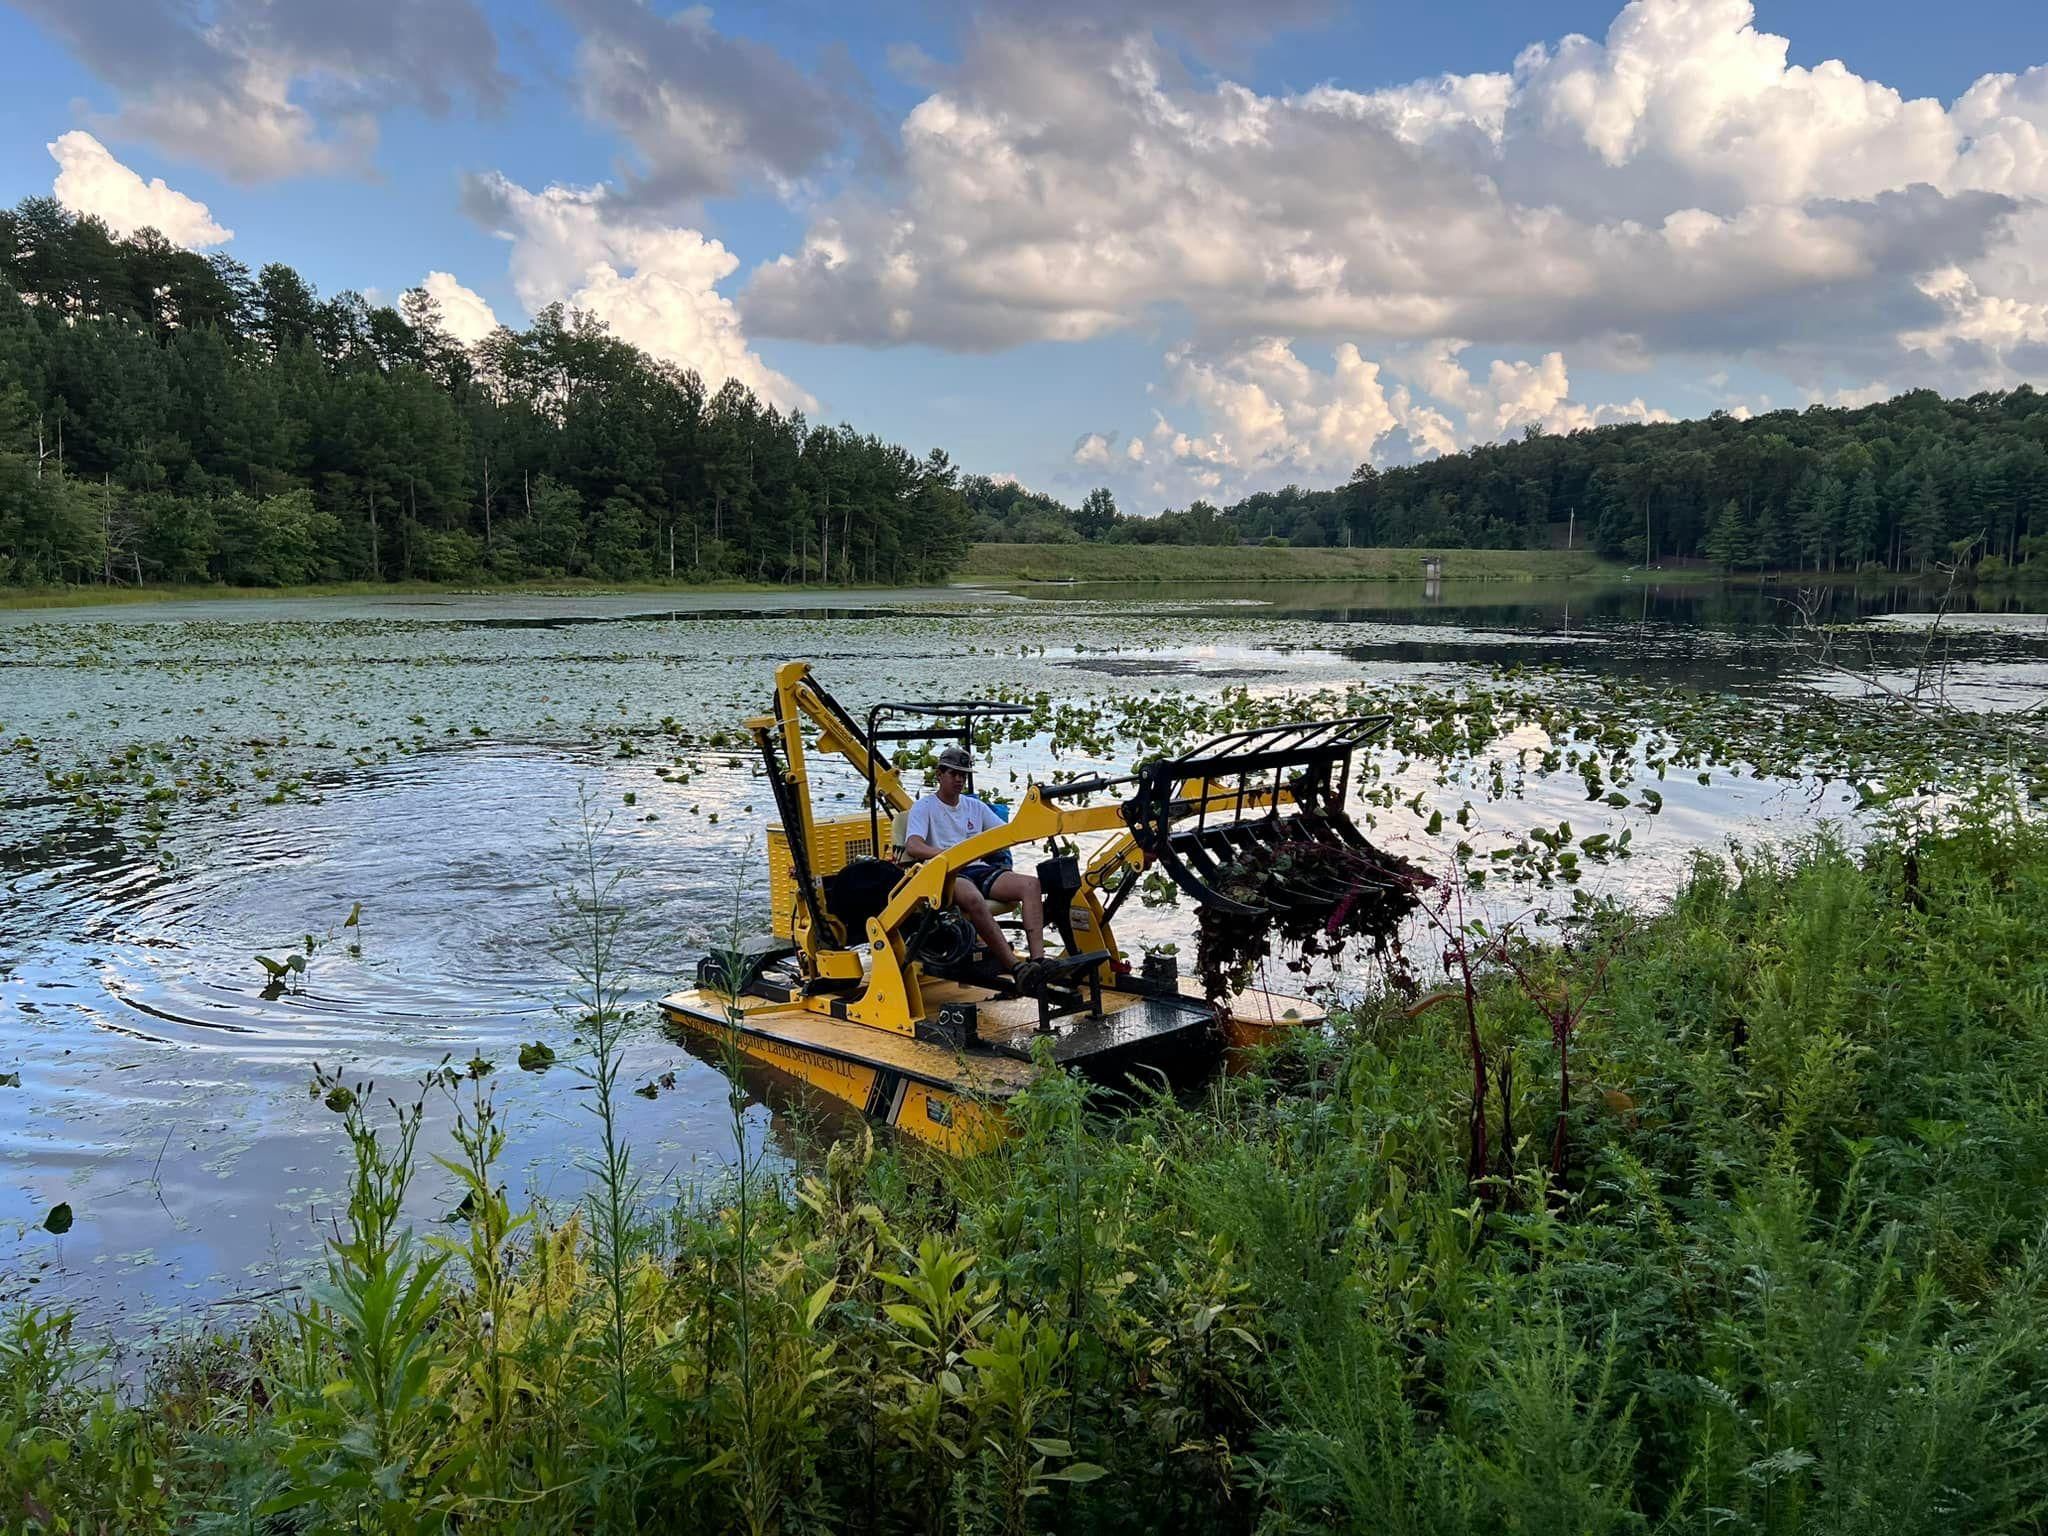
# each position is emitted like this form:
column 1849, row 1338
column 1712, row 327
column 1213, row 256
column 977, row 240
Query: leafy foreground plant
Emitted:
column 1790, row 1278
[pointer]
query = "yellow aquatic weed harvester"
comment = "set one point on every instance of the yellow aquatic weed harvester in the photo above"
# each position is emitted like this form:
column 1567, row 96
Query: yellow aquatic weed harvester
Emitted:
column 873, row 985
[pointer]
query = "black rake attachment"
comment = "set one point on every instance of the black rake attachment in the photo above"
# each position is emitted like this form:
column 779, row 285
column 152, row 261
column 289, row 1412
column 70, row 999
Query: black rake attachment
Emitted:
column 1254, row 792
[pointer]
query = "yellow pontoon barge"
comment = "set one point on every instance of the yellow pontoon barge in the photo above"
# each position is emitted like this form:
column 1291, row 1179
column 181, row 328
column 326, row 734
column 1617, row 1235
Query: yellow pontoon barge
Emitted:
column 873, row 986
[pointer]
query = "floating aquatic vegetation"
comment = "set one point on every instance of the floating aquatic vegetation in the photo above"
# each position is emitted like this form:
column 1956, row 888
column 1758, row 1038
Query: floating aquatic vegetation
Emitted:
column 286, row 973
column 159, row 729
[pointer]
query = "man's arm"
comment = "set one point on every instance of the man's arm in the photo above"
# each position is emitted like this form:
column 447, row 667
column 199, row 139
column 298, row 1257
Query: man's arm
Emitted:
column 917, row 848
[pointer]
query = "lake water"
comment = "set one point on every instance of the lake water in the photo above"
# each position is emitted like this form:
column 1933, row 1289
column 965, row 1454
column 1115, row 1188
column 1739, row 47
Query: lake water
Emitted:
column 186, row 786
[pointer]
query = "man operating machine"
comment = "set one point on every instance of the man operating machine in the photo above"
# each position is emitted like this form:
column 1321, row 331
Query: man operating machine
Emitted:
column 949, row 815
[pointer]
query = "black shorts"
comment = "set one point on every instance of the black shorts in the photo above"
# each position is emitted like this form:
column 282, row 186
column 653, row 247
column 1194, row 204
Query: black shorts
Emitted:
column 982, row 875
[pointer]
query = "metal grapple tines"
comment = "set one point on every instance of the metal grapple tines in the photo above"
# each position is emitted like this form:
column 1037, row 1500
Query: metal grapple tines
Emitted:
column 1198, row 814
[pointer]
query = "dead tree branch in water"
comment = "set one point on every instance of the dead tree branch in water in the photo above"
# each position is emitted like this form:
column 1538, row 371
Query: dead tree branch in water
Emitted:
column 1927, row 677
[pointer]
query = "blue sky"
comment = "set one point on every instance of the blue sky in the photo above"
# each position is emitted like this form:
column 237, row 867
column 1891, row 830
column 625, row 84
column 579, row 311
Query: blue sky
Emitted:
column 1136, row 244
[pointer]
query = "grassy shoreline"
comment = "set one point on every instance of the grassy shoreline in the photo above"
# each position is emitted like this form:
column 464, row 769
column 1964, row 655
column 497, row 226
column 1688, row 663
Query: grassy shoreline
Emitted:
column 89, row 597
column 986, row 564
column 1257, row 563
column 1012, row 565
column 1771, row 1264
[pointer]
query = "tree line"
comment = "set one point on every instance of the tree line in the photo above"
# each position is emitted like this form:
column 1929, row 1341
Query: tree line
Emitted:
column 1903, row 485
column 167, row 417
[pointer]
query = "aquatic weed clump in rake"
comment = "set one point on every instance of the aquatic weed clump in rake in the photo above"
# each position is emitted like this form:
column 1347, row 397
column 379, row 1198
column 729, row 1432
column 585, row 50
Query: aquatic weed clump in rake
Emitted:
column 1255, row 825
column 1314, row 900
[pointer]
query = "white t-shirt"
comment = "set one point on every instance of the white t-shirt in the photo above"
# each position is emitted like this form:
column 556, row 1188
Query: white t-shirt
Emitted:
column 943, row 825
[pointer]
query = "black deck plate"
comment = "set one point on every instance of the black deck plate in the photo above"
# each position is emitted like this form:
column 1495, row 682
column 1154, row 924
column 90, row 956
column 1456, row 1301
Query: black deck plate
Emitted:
column 1082, row 1041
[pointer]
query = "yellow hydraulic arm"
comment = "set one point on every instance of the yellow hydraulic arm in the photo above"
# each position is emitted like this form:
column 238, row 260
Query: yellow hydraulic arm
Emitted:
column 894, row 993
column 1245, row 772
column 798, row 698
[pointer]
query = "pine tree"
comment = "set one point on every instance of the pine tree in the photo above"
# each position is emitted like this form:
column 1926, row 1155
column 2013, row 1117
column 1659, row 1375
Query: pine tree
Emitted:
column 286, row 308
column 1923, row 531
column 1859, row 525
column 1728, row 542
column 1824, row 523
column 1800, row 529
column 1768, row 540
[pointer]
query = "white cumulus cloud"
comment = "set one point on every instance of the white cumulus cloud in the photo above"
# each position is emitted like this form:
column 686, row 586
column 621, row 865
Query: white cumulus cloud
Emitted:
column 1093, row 449
column 91, row 181
column 465, row 314
column 1675, row 188
column 653, row 284
column 1265, row 415
column 1513, row 395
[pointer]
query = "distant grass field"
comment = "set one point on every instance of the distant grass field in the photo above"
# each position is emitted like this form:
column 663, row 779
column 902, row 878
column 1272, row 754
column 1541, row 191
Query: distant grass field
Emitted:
column 1181, row 562
column 560, row 586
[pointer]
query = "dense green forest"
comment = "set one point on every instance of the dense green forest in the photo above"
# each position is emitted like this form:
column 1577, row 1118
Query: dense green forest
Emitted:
column 1900, row 485
column 166, row 417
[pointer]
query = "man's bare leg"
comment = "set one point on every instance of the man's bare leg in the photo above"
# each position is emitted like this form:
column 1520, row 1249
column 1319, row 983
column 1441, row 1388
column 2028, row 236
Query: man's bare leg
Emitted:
column 1030, row 899
column 971, row 901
